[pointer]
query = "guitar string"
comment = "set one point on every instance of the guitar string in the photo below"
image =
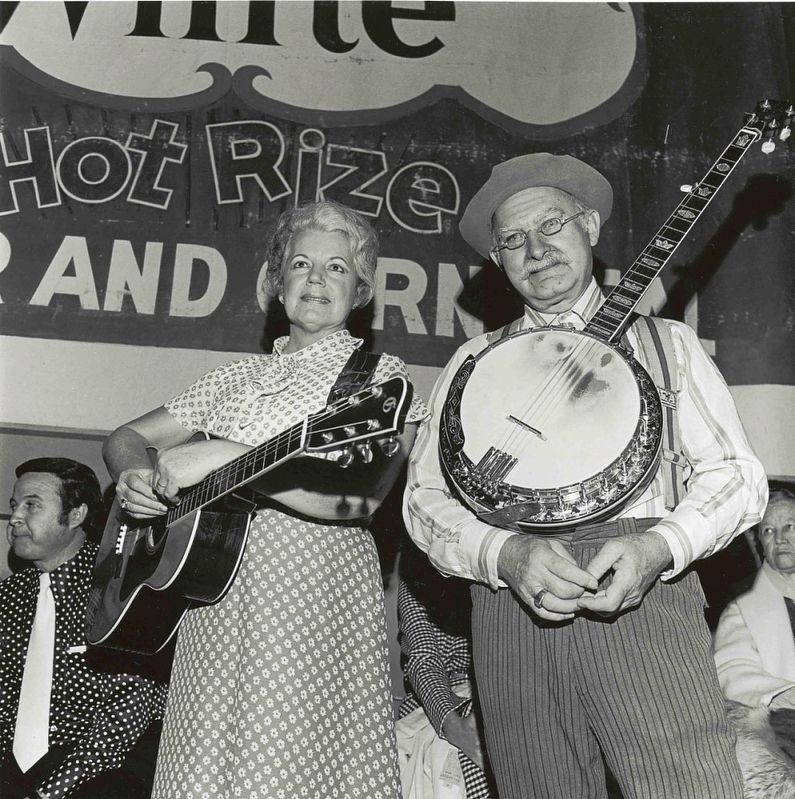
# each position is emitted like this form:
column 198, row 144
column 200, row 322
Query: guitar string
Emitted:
column 553, row 387
column 200, row 493
column 551, row 393
column 529, row 412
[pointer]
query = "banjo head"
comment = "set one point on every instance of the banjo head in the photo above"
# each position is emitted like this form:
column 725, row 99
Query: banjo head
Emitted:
column 549, row 427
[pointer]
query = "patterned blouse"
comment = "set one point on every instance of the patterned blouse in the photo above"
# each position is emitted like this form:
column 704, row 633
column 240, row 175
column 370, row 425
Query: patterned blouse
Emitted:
column 100, row 716
column 224, row 401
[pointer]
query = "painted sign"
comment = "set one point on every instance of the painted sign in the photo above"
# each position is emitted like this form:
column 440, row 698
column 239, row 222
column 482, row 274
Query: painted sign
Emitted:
column 148, row 148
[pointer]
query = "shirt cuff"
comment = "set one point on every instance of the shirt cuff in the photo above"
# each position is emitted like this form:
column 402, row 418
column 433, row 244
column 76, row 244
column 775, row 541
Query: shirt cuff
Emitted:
column 684, row 530
column 480, row 545
column 440, row 730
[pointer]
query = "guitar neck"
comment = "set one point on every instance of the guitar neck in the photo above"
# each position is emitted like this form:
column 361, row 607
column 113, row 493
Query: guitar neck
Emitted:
column 609, row 321
column 241, row 470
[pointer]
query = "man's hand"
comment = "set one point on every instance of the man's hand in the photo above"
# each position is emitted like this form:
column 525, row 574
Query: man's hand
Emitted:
column 530, row 564
column 636, row 561
column 463, row 733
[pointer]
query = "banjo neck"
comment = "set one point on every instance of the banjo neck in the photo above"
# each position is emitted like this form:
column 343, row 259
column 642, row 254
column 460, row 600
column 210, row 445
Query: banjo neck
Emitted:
column 609, row 322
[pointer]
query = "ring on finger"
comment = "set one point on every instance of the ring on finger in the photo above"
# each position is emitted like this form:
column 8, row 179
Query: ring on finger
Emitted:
column 538, row 597
column 123, row 504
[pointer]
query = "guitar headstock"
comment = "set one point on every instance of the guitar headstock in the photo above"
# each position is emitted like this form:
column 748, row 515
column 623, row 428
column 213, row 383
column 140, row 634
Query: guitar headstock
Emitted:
column 377, row 411
column 772, row 119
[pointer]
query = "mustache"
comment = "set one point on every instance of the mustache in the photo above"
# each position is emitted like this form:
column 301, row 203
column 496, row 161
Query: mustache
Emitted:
column 549, row 259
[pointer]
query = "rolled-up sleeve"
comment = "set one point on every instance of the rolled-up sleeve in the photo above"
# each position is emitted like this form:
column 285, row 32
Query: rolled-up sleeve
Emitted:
column 727, row 487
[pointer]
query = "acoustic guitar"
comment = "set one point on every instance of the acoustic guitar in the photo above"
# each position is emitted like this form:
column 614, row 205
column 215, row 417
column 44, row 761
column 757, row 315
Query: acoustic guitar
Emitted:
column 149, row 573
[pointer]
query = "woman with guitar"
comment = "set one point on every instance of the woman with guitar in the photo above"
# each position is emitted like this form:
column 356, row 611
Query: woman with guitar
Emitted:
column 282, row 687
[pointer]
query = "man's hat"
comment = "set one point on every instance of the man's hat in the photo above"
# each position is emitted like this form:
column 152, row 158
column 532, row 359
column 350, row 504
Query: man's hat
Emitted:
column 524, row 172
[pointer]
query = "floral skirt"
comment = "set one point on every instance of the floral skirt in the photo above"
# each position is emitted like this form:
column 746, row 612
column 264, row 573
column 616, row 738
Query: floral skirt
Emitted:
column 282, row 689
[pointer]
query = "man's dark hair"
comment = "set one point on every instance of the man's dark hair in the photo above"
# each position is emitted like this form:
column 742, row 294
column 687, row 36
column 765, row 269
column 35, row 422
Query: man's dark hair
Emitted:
column 79, row 485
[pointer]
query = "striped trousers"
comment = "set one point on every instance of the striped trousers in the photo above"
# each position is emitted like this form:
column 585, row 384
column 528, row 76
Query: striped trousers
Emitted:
column 639, row 690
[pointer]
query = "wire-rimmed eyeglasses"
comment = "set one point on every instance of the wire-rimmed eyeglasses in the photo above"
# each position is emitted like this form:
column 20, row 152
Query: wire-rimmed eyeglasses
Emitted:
column 514, row 239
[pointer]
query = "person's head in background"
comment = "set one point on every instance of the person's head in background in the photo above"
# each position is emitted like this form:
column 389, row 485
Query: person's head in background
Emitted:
column 55, row 503
column 777, row 530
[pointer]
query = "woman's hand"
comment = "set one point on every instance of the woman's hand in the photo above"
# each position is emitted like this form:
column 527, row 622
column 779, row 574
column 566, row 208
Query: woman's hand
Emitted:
column 134, row 490
column 185, row 465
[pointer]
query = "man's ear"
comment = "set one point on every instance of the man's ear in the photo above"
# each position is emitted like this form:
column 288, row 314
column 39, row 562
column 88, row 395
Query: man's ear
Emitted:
column 593, row 224
column 77, row 516
column 495, row 256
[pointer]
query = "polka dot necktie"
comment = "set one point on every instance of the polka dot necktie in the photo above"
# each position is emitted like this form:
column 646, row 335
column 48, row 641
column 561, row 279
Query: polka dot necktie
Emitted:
column 31, row 734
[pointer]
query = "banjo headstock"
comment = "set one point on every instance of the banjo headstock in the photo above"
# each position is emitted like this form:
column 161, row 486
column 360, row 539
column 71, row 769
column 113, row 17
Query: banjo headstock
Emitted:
column 771, row 120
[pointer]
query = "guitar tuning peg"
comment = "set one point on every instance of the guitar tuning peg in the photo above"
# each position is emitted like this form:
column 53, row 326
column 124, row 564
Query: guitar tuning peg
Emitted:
column 786, row 132
column 346, row 458
column 390, row 446
column 768, row 146
column 365, row 451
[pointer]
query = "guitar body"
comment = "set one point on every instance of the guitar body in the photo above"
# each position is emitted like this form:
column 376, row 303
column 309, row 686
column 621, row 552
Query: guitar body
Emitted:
column 147, row 577
column 148, row 574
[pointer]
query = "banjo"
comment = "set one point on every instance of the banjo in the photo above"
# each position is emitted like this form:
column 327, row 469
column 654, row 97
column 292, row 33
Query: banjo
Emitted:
column 513, row 450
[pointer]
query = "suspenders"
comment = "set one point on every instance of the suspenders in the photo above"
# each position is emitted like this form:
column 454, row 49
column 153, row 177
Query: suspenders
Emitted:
column 654, row 338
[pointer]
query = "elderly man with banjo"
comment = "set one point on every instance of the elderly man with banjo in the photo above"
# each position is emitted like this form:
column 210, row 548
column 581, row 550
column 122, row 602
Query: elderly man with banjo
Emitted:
column 576, row 464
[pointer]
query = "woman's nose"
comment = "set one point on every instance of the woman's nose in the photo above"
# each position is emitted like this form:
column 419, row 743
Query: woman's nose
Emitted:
column 317, row 274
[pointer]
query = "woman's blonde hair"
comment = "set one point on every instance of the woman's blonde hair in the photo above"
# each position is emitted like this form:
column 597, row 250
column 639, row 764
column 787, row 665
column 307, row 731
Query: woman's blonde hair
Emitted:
column 326, row 216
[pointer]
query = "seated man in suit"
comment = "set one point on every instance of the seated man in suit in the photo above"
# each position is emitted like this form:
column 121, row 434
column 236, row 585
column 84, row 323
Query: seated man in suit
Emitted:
column 66, row 729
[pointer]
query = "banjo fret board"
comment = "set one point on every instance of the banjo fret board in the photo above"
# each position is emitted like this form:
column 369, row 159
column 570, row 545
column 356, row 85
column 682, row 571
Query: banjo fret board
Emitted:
column 609, row 321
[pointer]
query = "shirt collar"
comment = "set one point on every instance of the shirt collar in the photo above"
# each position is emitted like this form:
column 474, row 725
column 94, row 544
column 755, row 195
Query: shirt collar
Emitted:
column 585, row 307
column 339, row 339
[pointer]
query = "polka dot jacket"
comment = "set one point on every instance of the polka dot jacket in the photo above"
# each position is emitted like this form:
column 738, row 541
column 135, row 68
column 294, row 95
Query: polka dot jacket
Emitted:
column 99, row 716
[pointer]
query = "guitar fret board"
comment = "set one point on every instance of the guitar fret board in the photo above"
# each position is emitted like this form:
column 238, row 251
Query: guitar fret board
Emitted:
column 239, row 471
column 608, row 322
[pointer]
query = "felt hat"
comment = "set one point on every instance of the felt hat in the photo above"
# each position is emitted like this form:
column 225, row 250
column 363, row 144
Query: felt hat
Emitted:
column 524, row 172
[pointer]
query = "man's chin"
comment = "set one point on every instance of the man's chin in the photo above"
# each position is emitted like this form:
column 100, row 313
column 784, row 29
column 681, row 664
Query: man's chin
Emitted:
column 23, row 548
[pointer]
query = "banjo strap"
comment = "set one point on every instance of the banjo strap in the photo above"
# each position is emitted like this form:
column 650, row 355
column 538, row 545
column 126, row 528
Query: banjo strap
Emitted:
column 656, row 343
